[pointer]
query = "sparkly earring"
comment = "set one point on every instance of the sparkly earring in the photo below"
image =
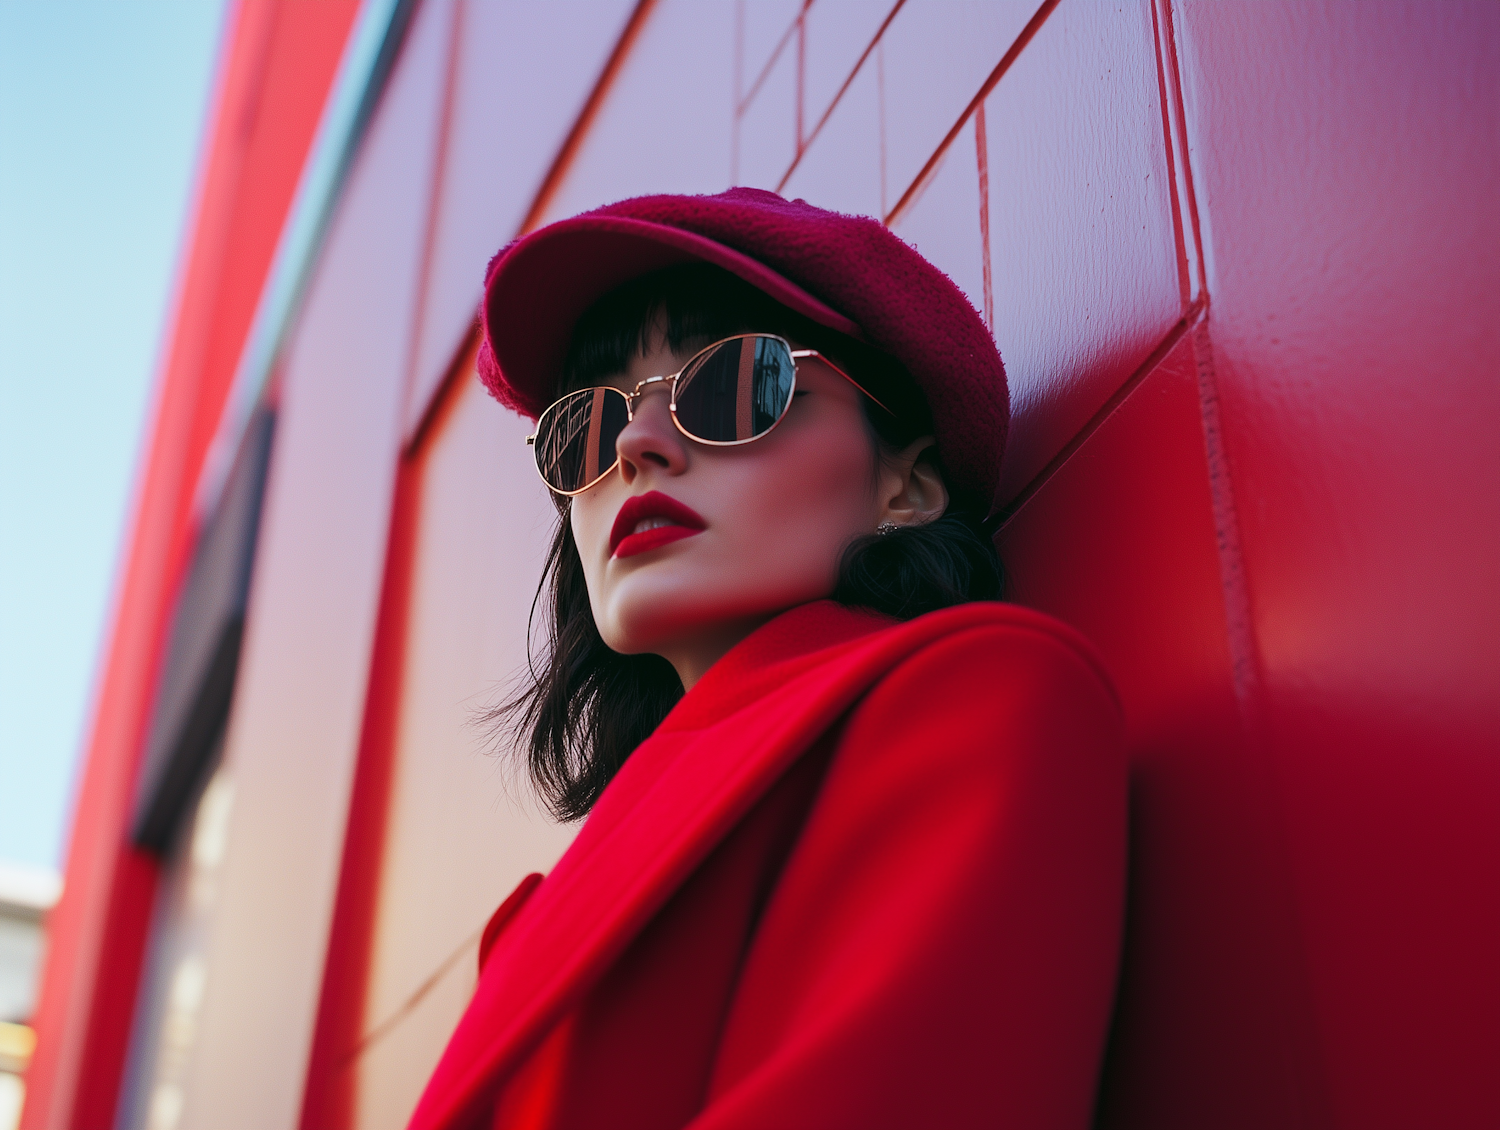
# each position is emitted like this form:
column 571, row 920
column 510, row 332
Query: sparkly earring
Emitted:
column 886, row 528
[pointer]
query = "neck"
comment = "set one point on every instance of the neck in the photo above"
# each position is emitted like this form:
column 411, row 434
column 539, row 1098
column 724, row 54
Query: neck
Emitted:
column 692, row 658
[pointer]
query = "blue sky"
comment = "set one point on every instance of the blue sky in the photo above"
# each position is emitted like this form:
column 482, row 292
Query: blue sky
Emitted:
column 102, row 105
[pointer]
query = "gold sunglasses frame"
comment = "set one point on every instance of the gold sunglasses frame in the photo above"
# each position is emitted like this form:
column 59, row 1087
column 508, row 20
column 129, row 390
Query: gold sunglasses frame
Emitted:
column 632, row 397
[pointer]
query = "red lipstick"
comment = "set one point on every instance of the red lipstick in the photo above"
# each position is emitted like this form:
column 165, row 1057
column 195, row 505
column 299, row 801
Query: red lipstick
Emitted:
column 680, row 522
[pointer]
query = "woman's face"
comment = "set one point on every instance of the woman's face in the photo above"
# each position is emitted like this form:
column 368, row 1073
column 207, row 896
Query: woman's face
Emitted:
column 714, row 541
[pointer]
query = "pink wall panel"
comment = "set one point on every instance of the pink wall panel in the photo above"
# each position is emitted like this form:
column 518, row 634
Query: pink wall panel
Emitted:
column 764, row 28
column 944, row 225
column 1348, row 173
column 767, row 138
column 1213, row 1020
column 792, row 93
column 837, row 32
column 1082, row 251
column 938, row 54
column 666, row 126
column 841, row 167
column 461, row 828
column 508, row 120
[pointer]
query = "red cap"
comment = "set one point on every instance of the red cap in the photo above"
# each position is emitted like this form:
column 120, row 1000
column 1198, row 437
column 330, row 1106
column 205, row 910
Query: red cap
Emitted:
column 848, row 273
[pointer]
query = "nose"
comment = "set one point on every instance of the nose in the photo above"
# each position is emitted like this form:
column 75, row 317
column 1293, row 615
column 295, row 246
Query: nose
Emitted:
column 651, row 440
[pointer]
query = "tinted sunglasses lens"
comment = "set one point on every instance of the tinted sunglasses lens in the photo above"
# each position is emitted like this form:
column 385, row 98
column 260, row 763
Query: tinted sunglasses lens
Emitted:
column 575, row 438
column 737, row 390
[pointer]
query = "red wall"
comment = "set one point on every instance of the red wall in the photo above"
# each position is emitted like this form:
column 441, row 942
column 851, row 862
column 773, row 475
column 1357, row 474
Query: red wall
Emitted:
column 1285, row 537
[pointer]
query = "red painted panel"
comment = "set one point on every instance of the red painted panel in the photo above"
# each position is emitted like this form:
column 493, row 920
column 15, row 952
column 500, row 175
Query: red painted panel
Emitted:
column 278, row 62
column 1121, row 541
column 1347, row 172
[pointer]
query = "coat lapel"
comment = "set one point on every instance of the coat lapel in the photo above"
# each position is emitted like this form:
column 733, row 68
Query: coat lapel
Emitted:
column 681, row 792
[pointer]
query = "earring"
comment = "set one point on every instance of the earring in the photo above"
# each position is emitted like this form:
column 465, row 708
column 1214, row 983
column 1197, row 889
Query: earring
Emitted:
column 886, row 528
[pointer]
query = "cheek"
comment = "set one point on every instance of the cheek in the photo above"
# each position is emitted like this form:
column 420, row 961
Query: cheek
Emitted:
column 591, row 518
column 829, row 489
column 797, row 510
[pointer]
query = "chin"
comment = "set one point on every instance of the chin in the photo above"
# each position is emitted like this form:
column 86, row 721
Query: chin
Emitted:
column 647, row 615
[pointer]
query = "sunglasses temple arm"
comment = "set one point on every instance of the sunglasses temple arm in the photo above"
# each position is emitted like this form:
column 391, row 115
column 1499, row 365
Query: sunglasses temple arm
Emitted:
column 814, row 353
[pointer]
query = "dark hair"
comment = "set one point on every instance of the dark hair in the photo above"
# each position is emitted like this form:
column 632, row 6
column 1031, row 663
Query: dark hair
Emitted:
column 588, row 707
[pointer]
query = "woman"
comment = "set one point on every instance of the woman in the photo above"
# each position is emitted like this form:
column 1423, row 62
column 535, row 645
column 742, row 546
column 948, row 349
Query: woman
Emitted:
column 855, row 861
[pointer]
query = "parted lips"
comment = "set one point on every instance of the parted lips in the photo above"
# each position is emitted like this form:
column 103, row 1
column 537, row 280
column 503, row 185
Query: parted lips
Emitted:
column 848, row 273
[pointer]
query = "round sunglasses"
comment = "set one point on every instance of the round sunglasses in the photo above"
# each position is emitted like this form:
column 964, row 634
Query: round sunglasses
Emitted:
column 732, row 392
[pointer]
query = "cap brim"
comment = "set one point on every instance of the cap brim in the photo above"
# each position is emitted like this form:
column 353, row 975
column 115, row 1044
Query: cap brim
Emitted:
column 541, row 287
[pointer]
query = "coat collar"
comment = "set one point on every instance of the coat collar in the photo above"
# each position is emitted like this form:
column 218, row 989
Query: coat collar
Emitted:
column 777, row 653
column 721, row 748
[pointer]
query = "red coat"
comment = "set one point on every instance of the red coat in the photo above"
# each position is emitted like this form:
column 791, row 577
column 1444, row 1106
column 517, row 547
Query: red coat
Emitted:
column 865, row 874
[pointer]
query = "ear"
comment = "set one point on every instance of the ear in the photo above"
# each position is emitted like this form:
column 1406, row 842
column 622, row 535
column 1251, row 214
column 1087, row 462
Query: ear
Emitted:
column 911, row 490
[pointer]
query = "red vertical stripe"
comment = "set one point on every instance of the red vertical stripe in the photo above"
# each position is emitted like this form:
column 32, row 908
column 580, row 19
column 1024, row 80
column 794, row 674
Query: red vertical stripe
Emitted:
column 739, row 92
column 801, row 75
column 880, row 98
column 982, row 152
column 1173, row 79
column 434, row 203
column 1178, row 233
column 328, row 1099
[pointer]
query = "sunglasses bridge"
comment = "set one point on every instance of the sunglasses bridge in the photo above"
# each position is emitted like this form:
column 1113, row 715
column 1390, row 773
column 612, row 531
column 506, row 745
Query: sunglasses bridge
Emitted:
column 635, row 394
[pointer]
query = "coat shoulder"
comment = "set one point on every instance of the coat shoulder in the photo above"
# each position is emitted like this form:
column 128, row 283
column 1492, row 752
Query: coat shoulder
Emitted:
column 1000, row 638
column 984, row 688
